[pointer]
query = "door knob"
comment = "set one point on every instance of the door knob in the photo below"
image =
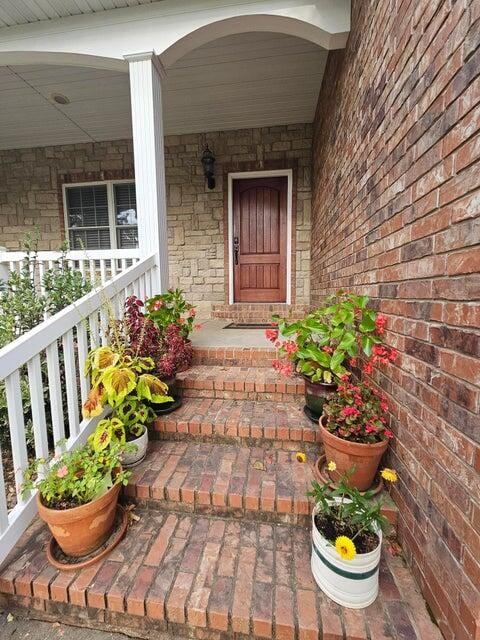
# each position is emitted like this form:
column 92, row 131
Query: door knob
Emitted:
column 236, row 249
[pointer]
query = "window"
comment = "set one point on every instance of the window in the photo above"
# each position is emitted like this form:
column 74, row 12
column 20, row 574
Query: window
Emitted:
column 102, row 215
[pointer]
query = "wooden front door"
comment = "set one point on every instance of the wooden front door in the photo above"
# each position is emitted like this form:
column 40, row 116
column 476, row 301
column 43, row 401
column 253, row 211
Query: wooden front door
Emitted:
column 260, row 239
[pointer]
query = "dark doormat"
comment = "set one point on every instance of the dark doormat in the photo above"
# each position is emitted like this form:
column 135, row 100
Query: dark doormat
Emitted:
column 242, row 325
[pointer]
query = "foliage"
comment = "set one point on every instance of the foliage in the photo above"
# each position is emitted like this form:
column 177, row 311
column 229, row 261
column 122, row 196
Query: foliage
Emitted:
column 168, row 347
column 321, row 345
column 171, row 308
column 349, row 509
column 63, row 286
column 121, row 379
column 357, row 413
column 75, row 477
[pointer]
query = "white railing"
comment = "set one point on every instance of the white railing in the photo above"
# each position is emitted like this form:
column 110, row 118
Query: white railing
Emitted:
column 53, row 355
column 98, row 266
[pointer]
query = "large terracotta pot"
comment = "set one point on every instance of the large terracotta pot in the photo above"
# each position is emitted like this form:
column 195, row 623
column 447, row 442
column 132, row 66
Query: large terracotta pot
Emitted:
column 345, row 454
column 81, row 530
column 316, row 394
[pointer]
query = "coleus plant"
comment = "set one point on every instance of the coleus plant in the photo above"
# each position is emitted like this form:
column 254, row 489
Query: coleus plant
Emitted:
column 121, row 380
column 321, row 345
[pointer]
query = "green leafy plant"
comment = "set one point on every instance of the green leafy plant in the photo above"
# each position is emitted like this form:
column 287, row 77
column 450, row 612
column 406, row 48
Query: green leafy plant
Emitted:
column 321, row 345
column 63, row 285
column 121, row 380
column 171, row 308
column 358, row 413
column 348, row 519
column 75, row 477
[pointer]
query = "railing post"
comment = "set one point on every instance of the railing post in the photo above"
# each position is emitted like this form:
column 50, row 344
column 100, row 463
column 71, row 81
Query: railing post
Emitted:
column 147, row 124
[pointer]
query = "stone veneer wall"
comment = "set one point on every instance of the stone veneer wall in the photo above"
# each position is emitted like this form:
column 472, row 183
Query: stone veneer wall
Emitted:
column 29, row 196
column 396, row 215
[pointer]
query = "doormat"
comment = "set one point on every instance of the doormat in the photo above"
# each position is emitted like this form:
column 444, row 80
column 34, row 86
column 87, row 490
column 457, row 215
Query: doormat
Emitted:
column 242, row 325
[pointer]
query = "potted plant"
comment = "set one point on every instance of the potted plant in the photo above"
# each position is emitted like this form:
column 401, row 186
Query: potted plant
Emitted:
column 171, row 308
column 346, row 541
column 325, row 345
column 122, row 379
column 162, row 338
column 354, row 431
column 77, row 495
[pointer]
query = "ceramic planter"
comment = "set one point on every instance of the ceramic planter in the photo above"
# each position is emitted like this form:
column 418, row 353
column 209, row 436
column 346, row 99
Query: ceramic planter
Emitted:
column 316, row 394
column 81, row 530
column 135, row 457
column 345, row 454
column 350, row 583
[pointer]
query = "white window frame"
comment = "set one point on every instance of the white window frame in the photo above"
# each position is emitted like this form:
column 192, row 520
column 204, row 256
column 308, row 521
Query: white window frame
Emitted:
column 245, row 175
column 112, row 226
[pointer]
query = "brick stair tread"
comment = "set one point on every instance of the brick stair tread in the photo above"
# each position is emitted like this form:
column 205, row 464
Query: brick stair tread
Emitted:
column 279, row 421
column 216, row 380
column 187, row 575
column 201, row 476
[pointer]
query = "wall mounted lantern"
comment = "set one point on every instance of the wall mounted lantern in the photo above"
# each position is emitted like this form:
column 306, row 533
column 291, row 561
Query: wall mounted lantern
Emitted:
column 208, row 160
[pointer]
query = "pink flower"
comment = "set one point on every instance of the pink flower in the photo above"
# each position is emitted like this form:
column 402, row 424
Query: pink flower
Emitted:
column 158, row 304
column 271, row 334
column 192, row 313
column 290, row 346
column 327, row 349
column 383, row 406
column 368, row 368
column 197, row 326
column 350, row 411
column 62, row 472
column 369, row 428
column 352, row 362
column 380, row 322
column 344, row 377
column 388, row 433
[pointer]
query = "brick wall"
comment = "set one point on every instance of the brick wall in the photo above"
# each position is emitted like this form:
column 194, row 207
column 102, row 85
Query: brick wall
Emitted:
column 29, row 196
column 395, row 215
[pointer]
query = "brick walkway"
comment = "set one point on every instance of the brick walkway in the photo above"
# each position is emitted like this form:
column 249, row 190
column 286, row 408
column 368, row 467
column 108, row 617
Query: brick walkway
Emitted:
column 222, row 547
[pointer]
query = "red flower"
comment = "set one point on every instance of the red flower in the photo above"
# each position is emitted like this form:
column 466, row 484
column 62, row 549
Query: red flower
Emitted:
column 380, row 322
column 383, row 406
column 290, row 347
column 327, row 349
column 388, row 433
column 271, row 334
column 192, row 313
column 344, row 377
column 352, row 362
column 368, row 368
column 350, row 411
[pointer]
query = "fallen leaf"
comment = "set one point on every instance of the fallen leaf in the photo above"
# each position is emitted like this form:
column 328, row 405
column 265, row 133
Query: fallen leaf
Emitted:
column 10, row 618
column 259, row 465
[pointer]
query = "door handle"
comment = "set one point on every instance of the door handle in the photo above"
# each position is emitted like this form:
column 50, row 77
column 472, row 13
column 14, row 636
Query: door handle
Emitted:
column 236, row 249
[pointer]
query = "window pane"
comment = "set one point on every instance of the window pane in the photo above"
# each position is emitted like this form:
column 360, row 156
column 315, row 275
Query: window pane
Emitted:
column 127, row 238
column 125, row 203
column 89, row 238
column 87, row 206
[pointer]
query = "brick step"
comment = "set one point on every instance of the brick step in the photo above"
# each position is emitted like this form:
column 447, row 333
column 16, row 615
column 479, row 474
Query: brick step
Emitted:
column 251, row 313
column 247, row 421
column 239, row 383
column 256, row 483
column 192, row 576
column 234, row 356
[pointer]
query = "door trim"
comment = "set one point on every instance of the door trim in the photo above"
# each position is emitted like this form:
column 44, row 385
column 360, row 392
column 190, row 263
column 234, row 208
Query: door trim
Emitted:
column 245, row 175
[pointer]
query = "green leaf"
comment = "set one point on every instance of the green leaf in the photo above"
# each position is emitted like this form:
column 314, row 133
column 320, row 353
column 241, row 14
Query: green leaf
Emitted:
column 367, row 345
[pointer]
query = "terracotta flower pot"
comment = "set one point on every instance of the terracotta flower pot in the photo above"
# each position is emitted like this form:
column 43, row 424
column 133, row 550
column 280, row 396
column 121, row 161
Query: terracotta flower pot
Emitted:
column 345, row 454
column 81, row 530
column 316, row 394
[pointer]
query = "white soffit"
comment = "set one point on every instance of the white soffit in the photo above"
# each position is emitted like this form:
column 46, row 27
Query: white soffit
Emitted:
column 15, row 12
column 240, row 81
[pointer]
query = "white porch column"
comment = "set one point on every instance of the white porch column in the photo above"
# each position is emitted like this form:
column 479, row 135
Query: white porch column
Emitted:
column 147, row 123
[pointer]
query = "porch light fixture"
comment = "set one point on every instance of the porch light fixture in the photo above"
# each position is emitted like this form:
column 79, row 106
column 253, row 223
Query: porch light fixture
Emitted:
column 208, row 160
column 59, row 98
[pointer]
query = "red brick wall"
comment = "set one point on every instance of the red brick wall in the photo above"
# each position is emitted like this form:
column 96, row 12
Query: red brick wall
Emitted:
column 395, row 215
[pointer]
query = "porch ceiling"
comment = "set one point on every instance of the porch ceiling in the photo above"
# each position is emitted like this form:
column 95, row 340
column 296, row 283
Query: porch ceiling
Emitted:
column 13, row 12
column 245, row 80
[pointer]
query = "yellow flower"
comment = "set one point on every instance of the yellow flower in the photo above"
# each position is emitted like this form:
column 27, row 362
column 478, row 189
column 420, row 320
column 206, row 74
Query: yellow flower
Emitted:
column 390, row 475
column 301, row 457
column 345, row 548
column 331, row 466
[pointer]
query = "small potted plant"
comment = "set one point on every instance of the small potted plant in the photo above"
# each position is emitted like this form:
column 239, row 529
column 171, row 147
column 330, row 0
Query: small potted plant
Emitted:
column 121, row 379
column 77, row 495
column 325, row 345
column 354, row 430
column 171, row 308
column 346, row 540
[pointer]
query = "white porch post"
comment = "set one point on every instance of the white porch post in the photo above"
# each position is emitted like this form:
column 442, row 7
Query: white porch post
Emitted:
column 147, row 123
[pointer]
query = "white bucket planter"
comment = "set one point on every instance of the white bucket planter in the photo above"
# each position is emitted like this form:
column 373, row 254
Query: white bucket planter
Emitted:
column 350, row 583
column 135, row 457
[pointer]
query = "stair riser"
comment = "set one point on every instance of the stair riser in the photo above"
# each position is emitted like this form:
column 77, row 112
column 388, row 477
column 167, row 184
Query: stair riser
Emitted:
column 263, row 396
column 229, row 356
column 291, row 439
column 260, row 514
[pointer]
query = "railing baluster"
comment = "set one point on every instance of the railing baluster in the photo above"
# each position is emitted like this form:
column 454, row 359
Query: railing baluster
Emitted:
column 37, row 400
column 93, row 274
column 3, row 499
column 103, row 270
column 71, row 382
column 17, row 429
column 81, row 266
column 82, row 347
column 55, row 391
